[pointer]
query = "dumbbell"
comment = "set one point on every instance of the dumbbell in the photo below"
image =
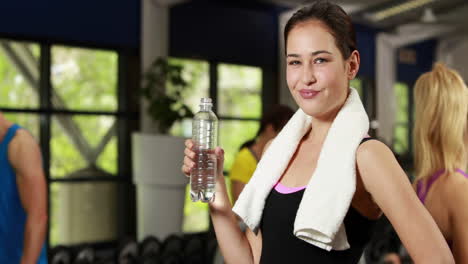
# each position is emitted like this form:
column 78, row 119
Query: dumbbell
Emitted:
column 150, row 249
column 60, row 255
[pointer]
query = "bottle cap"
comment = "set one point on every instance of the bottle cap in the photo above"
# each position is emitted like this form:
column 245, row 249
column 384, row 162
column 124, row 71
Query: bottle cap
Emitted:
column 205, row 100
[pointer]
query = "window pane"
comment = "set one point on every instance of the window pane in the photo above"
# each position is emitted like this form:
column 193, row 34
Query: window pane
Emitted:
column 232, row 134
column 29, row 122
column 401, row 136
column 239, row 91
column 84, row 79
column 196, row 73
column 401, row 93
column 19, row 79
column 108, row 158
column 79, row 141
column 182, row 128
column 83, row 212
column 400, row 144
column 356, row 83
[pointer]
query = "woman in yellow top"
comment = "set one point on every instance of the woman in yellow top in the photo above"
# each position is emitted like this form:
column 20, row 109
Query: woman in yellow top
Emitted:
column 249, row 154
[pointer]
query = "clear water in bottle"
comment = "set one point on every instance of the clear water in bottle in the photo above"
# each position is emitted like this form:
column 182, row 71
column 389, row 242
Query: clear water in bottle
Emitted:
column 204, row 136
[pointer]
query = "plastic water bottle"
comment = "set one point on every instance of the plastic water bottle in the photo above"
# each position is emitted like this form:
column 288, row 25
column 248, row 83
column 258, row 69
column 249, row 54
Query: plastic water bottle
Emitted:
column 204, row 136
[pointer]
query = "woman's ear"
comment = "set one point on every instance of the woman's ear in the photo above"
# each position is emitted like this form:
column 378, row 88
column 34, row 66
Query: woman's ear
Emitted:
column 353, row 62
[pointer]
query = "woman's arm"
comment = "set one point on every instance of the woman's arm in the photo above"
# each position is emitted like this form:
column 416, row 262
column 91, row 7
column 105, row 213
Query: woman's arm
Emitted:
column 234, row 244
column 390, row 188
column 255, row 241
column 236, row 189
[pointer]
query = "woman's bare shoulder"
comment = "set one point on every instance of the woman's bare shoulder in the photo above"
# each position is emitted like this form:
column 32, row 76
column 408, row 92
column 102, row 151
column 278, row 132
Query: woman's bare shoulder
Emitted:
column 455, row 190
column 372, row 149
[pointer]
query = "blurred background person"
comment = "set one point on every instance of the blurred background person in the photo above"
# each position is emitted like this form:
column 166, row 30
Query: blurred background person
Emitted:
column 23, row 197
column 250, row 152
column 391, row 258
column 440, row 138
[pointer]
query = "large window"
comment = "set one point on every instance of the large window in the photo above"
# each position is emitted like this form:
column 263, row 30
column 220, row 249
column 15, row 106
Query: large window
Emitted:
column 83, row 146
column 68, row 98
column 237, row 90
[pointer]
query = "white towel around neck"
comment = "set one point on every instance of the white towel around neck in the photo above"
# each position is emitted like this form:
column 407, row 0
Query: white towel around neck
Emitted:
column 319, row 219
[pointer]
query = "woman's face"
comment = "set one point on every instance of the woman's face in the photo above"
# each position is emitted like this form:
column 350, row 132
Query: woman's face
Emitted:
column 317, row 74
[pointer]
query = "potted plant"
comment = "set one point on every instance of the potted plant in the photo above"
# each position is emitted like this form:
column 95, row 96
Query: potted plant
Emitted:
column 157, row 157
column 163, row 86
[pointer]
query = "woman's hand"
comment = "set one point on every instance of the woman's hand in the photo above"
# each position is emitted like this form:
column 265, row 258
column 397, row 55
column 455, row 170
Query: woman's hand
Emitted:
column 221, row 201
column 189, row 162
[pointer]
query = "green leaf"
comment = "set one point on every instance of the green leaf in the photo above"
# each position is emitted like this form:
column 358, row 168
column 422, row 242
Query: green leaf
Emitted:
column 165, row 107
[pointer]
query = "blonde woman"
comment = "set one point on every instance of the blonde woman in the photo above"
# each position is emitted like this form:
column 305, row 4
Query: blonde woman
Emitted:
column 440, row 138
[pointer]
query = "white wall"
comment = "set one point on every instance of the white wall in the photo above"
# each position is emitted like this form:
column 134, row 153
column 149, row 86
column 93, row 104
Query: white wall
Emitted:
column 453, row 52
column 154, row 43
column 387, row 44
column 156, row 158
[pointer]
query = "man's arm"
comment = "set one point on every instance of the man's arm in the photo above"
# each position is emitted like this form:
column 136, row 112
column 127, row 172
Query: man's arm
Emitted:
column 25, row 156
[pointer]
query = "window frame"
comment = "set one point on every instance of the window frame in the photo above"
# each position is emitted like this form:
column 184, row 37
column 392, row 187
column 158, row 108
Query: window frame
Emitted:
column 406, row 159
column 127, row 118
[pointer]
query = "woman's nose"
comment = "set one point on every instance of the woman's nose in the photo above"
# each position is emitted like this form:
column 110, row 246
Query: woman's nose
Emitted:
column 308, row 75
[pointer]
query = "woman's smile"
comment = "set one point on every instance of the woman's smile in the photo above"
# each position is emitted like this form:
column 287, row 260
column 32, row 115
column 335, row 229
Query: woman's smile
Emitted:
column 308, row 93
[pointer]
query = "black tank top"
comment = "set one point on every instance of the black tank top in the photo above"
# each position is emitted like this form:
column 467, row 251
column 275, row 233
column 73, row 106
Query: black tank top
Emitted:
column 280, row 245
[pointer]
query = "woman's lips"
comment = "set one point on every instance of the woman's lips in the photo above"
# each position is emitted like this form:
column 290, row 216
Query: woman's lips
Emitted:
column 308, row 93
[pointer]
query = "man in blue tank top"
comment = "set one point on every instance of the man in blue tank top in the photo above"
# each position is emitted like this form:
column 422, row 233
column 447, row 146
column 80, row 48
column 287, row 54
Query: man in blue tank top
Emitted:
column 23, row 201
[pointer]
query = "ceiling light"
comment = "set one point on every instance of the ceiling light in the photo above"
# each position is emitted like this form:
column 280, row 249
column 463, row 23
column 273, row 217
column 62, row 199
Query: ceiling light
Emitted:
column 428, row 16
column 398, row 9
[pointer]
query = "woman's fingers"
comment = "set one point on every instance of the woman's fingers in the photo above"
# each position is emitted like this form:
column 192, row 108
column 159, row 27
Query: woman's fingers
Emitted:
column 188, row 162
column 188, row 143
column 187, row 166
column 189, row 153
column 186, row 170
column 219, row 154
column 188, row 158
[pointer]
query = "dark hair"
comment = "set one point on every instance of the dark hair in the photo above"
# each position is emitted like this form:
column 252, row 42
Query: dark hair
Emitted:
column 277, row 116
column 334, row 17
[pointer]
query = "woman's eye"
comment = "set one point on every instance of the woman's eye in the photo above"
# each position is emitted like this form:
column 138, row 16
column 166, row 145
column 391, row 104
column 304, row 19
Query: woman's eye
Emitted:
column 294, row 62
column 320, row 60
